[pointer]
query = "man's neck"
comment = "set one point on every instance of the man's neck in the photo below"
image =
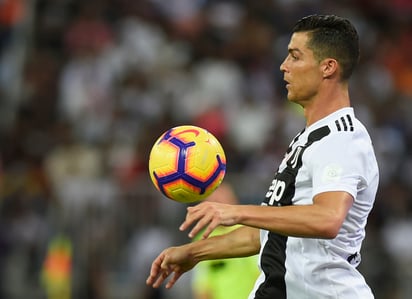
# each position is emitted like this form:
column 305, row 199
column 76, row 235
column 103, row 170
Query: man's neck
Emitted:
column 326, row 103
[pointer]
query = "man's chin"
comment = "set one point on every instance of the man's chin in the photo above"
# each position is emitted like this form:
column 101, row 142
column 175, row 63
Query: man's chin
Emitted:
column 291, row 98
column 294, row 100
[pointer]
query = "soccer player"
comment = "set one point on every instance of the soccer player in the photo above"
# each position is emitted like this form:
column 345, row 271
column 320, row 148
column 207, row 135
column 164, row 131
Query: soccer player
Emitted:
column 309, row 229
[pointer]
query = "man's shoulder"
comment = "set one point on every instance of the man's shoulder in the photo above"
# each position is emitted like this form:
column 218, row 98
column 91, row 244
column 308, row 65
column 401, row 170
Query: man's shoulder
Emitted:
column 345, row 123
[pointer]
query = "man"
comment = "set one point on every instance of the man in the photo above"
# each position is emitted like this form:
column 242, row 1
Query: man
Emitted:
column 309, row 229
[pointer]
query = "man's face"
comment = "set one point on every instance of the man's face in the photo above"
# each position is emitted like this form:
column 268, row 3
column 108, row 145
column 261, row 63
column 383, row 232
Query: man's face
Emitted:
column 301, row 70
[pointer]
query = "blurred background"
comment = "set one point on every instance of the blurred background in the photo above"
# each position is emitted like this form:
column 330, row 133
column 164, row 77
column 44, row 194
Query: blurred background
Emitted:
column 87, row 86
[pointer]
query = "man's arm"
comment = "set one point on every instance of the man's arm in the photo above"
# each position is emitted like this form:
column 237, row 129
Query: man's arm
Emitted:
column 243, row 241
column 322, row 219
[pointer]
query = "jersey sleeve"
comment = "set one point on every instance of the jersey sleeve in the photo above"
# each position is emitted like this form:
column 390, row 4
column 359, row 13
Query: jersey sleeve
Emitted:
column 338, row 163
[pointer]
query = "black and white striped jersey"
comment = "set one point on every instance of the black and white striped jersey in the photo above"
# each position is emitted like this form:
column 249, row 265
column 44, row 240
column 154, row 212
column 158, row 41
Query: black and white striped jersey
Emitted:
column 333, row 154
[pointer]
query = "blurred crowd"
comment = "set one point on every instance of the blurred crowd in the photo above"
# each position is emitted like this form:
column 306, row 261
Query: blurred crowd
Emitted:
column 86, row 87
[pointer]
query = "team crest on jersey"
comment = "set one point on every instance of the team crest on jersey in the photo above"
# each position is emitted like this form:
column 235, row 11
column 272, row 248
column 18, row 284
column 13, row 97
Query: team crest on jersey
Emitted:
column 282, row 188
column 296, row 157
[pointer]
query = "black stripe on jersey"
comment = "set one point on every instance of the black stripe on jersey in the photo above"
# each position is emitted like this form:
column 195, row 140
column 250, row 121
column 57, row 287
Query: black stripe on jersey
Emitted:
column 347, row 123
column 350, row 122
column 294, row 140
column 273, row 264
column 338, row 125
column 281, row 193
column 345, row 126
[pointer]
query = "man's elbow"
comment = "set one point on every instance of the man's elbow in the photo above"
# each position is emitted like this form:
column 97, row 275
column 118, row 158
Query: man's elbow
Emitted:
column 330, row 229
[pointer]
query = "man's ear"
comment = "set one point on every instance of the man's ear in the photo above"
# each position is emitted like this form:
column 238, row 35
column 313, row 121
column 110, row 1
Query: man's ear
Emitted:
column 329, row 67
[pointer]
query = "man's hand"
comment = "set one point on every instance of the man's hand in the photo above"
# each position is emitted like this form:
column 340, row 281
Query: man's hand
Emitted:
column 209, row 215
column 173, row 260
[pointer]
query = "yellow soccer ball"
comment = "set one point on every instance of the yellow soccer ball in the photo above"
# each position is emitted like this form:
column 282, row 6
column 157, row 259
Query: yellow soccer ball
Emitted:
column 187, row 163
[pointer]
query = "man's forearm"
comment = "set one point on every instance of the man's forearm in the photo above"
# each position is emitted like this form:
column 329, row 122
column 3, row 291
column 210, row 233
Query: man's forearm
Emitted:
column 241, row 242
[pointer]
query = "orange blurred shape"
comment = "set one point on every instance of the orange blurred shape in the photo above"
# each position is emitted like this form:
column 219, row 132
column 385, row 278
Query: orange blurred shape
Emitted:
column 11, row 11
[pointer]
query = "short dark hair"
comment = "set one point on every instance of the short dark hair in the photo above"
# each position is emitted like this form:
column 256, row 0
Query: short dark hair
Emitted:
column 334, row 37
